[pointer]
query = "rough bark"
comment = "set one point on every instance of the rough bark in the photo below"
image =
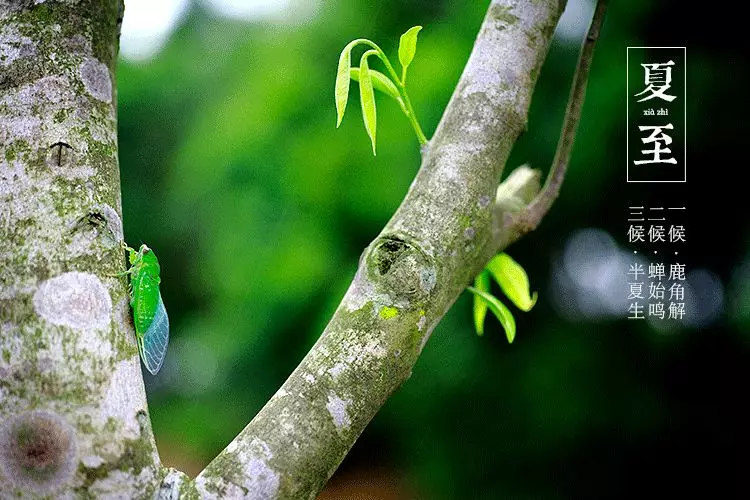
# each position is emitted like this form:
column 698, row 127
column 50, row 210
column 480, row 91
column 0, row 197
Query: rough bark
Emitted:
column 73, row 415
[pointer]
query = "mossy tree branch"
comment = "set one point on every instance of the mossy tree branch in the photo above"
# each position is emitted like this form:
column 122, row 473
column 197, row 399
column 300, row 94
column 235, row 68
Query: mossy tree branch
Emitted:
column 533, row 214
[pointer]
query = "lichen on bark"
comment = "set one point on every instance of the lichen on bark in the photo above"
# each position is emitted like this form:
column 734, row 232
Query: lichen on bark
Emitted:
column 73, row 413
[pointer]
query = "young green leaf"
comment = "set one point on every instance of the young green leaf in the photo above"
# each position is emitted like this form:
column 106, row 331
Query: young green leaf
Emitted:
column 407, row 47
column 513, row 280
column 481, row 283
column 342, row 81
column 379, row 82
column 367, row 98
column 501, row 312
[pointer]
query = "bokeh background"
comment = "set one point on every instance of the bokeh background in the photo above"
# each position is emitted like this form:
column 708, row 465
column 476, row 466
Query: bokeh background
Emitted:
column 259, row 208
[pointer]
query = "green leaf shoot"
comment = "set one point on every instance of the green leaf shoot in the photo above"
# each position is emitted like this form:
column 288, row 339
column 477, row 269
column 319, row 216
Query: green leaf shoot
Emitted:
column 513, row 280
column 379, row 82
column 369, row 79
column 481, row 283
column 407, row 47
column 367, row 97
column 501, row 312
column 342, row 81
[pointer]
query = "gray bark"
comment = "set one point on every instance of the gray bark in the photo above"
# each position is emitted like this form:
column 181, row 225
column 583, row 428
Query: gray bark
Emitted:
column 74, row 420
column 73, row 414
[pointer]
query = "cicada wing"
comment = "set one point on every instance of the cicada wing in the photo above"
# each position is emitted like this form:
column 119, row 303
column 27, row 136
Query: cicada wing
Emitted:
column 153, row 346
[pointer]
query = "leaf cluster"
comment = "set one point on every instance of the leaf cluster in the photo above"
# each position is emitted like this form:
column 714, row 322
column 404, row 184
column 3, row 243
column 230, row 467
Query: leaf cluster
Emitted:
column 513, row 281
column 370, row 80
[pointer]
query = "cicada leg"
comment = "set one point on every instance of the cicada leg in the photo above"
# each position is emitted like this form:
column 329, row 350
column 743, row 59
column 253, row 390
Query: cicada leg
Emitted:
column 125, row 247
column 120, row 275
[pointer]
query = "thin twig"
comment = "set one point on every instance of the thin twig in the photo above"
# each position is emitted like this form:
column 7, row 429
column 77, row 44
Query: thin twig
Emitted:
column 542, row 203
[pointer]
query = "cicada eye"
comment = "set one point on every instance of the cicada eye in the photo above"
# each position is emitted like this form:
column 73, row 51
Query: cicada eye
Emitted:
column 145, row 249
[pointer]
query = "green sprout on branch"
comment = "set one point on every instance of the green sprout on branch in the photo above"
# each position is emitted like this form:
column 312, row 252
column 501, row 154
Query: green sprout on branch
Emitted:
column 508, row 274
column 514, row 283
column 370, row 80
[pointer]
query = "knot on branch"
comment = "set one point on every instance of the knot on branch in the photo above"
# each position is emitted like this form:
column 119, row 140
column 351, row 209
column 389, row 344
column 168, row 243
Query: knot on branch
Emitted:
column 37, row 451
column 401, row 267
column 101, row 221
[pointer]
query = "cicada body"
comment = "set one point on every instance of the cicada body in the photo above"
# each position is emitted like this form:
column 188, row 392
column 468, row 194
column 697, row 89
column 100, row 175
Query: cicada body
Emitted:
column 149, row 315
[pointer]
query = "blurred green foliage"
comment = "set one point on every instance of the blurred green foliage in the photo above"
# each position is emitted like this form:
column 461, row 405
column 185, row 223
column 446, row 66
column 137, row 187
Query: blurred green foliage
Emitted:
column 233, row 171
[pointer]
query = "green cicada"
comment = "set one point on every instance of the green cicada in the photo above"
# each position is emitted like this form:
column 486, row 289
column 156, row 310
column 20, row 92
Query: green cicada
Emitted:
column 149, row 314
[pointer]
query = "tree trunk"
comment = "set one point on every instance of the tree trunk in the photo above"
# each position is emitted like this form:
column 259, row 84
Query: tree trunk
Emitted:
column 73, row 414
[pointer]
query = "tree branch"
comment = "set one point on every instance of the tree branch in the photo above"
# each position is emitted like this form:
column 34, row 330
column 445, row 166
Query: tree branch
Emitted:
column 534, row 213
column 438, row 240
column 73, row 414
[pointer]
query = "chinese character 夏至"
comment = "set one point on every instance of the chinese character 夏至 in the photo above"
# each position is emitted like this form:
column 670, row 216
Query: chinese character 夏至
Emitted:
column 657, row 137
column 658, row 80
